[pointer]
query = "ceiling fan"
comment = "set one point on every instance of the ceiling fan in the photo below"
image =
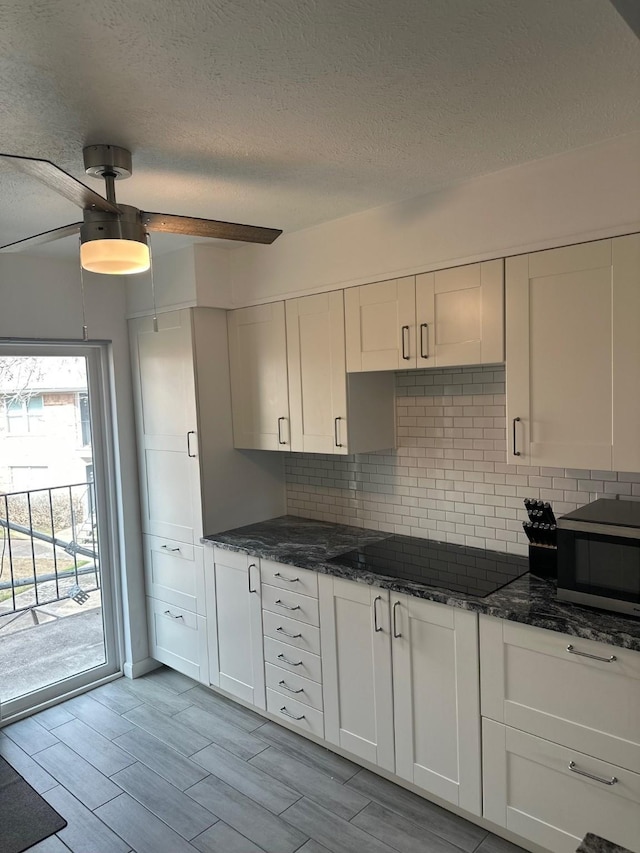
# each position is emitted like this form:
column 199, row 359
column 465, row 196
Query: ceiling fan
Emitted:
column 113, row 237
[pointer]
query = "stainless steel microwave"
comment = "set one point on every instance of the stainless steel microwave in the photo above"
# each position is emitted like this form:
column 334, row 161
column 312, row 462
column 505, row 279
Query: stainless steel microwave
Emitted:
column 599, row 555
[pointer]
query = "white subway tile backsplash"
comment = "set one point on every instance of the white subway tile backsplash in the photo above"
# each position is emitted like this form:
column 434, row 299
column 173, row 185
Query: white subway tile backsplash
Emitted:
column 448, row 478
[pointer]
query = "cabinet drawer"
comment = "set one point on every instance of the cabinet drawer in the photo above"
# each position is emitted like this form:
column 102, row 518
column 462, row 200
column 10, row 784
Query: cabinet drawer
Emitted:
column 295, row 713
column 294, row 686
column 178, row 638
column 302, row 608
column 289, row 578
column 292, row 659
column 294, row 633
column 545, row 683
column 174, row 572
column 538, row 790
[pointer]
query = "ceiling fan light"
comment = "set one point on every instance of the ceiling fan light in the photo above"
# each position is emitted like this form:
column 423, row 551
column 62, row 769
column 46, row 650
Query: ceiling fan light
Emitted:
column 115, row 257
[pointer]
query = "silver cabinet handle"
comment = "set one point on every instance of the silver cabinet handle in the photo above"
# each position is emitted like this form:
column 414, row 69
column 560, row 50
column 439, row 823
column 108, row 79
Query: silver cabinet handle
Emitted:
column 284, row 711
column 280, row 441
column 424, row 354
column 166, row 548
column 405, row 347
column 251, row 566
column 290, row 689
column 287, row 634
column 515, row 452
column 286, row 606
column 290, row 662
column 573, row 651
column 574, row 769
column 189, row 453
column 376, row 627
column 336, row 436
column 396, row 633
column 169, row 613
column 288, row 580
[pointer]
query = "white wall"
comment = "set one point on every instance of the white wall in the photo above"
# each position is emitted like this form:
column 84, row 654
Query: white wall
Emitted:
column 40, row 298
column 584, row 194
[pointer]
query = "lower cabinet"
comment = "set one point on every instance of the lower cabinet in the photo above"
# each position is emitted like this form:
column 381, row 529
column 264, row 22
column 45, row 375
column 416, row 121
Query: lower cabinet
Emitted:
column 234, row 611
column 178, row 638
column 401, row 686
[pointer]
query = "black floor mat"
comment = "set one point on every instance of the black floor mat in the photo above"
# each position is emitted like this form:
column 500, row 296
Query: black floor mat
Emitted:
column 25, row 818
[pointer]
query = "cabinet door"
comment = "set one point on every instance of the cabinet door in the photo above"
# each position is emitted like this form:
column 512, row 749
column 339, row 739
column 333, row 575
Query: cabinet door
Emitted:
column 235, row 633
column 436, row 699
column 317, row 373
column 559, row 357
column 626, row 353
column 259, row 388
column 460, row 315
column 178, row 638
column 164, row 389
column 356, row 667
column 174, row 573
column 380, row 325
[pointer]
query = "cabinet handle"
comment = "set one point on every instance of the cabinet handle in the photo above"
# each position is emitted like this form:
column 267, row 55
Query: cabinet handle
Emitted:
column 574, row 769
column 396, row 633
column 287, row 634
column 282, row 578
column 376, row 627
column 189, row 434
column 573, row 651
column 286, row 606
column 280, row 441
column 515, row 421
column 404, row 343
column 169, row 613
column 166, row 548
column 422, row 347
column 336, row 437
column 290, row 662
column 251, row 566
column 284, row 711
column 290, row 689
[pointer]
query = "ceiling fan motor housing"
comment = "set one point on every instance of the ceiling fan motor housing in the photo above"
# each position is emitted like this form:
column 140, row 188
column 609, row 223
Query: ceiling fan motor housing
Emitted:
column 107, row 161
column 101, row 225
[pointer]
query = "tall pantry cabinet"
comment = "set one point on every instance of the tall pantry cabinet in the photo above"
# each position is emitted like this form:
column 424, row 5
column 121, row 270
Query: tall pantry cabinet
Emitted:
column 192, row 481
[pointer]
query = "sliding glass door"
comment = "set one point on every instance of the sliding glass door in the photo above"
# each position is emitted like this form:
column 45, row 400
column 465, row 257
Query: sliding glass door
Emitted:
column 58, row 627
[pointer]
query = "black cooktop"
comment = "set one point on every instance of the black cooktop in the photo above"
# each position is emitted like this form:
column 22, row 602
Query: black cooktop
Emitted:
column 473, row 571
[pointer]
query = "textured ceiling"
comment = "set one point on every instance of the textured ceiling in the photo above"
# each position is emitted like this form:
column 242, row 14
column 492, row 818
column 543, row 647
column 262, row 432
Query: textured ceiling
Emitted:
column 288, row 113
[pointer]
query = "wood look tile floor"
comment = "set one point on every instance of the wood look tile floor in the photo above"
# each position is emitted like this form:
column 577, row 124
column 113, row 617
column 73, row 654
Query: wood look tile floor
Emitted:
column 163, row 765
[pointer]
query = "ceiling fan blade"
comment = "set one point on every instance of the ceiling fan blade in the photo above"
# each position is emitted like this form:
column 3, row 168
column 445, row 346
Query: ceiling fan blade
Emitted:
column 630, row 11
column 44, row 237
column 208, row 228
column 61, row 182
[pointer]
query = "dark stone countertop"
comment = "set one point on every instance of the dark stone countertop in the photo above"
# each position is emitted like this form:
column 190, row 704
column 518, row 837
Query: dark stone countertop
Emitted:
column 530, row 600
column 594, row 844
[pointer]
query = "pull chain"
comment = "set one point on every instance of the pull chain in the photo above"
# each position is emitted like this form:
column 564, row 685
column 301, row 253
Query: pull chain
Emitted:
column 85, row 329
column 153, row 284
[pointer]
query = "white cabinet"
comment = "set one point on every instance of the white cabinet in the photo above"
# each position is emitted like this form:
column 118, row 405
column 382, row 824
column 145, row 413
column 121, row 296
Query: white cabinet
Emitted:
column 234, row 611
column 444, row 318
column 436, row 699
column 401, row 686
column 573, row 354
column 178, row 637
column 289, row 386
column 174, row 573
column 258, row 367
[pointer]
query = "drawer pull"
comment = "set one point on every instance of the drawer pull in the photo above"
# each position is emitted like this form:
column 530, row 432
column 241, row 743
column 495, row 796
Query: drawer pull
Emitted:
column 288, row 580
column 573, row 651
column 166, row 548
column 252, row 566
column 284, row 711
column 574, row 769
column 290, row 689
column 287, row 634
column 286, row 606
column 290, row 662
column 169, row 613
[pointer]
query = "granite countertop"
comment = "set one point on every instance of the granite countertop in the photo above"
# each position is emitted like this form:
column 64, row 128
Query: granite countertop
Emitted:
column 594, row 844
column 308, row 544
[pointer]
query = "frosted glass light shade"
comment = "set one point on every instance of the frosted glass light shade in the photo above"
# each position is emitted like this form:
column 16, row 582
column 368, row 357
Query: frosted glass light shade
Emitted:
column 115, row 257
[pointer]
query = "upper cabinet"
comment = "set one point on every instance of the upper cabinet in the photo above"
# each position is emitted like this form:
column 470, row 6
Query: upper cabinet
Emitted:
column 573, row 356
column 289, row 387
column 439, row 319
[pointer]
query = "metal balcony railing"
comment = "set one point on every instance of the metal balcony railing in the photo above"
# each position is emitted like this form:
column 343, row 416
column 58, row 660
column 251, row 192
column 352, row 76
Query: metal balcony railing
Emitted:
column 48, row 546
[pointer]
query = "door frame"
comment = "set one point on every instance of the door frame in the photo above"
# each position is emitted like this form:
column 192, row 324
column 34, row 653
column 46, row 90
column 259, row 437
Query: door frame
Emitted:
column 99, row 386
